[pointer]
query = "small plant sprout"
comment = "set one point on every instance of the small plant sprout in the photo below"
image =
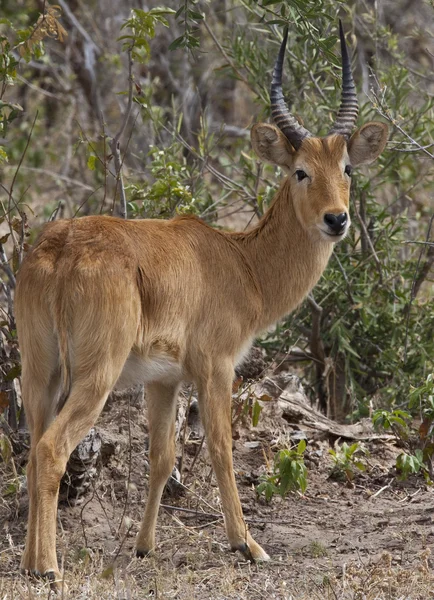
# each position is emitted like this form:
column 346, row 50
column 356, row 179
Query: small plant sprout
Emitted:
column 289, row 473
column 347, row 461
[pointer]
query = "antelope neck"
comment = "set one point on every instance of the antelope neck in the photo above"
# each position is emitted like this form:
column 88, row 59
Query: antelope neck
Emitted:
column 287, row 259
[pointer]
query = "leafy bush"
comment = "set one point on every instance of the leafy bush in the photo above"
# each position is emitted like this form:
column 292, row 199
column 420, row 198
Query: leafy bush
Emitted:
column 365, row 336
column 417, row 440
column 368, row 333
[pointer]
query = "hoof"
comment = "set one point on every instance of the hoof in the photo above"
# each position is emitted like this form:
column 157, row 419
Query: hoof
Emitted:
column 57, row 585
column 253, row 554
column 143, row 553
column 53, row 578
column 244, row 549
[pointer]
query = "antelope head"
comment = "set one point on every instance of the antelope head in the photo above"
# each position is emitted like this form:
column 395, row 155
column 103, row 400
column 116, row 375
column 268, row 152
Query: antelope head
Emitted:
column 319, row 169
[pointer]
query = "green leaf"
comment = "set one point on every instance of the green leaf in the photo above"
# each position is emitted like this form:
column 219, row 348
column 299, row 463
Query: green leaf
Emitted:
column 178, row 43
column 13, row 373
column 5, row 448
column 353, row 448
column 195, row 15
column 91, row 162
column 162, row 11
column 3, row 154
column 257, row 408
column 301, row 446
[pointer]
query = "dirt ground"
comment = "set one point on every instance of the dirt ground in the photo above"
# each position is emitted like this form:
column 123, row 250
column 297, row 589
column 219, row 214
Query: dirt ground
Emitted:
column 368, row 540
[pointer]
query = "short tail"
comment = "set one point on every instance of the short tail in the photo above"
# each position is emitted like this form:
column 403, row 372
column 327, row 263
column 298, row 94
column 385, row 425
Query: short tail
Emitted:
column 64, row 352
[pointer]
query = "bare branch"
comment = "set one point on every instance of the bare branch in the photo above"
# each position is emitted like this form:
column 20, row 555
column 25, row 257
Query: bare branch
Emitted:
column 383, row 110
column 76, row 23
column 369, row 241
column 115, row 142
column 417, row 282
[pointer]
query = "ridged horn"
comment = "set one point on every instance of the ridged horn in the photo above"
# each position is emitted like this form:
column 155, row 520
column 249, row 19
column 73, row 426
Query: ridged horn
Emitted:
column 286, row 122
column 349, row 108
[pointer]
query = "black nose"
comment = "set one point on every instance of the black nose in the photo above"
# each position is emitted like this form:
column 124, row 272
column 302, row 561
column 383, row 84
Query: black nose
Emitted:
column 336, row 222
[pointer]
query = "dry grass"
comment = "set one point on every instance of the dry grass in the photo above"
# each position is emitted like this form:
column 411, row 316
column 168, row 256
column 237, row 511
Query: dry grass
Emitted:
column 203, row 569
column 242, row 581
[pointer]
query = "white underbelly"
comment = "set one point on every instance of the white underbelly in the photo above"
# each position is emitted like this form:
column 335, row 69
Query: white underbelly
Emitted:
column 244, row 351
column 139, row 370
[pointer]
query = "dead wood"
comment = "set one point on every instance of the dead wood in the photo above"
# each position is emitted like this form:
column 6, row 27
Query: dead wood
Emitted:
column 300, row 414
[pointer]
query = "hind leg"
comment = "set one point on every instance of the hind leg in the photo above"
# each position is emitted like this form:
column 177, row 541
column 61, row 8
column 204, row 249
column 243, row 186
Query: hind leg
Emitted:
column 79, row 414
column 97, row 364
column 39, row 391
column 37, row 423
column 161, row 401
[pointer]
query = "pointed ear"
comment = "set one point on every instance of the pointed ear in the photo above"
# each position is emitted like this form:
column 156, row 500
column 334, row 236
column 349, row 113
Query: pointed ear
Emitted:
column 367, row 143
column 271, row 145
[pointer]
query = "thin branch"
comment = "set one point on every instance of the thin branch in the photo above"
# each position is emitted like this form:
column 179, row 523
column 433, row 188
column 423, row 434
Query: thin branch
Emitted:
column 115, row 142
column 190, row 471
column 384, row 111
column 225, row 55
column 53, row 175
column 419, row 243
column 6, row 268
column 130, row 456
column 426, row 268
column 184, row 434
column 316, row 345
column 415, row 289
column 76, row 23
column 130, row 97
column 345, row 276
column 20, row 162
column 369, row 241
column 106, row 169
column 191, row 511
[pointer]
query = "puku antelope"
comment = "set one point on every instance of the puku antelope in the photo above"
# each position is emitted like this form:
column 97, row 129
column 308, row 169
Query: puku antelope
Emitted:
column 102, row 302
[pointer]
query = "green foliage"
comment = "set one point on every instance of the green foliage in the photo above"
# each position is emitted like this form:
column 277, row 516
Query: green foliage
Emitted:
column 22, row 43
column 395, row 420
column 422, row 398
column 142, row 29
column 246, row 405
column 418, row 441
column 170, row 193
column 8, row 72
column 189, row 17
column 256, row 412
column 289, row 473
column 185, row 166
column 410, row 464
column 347, row 461
column 376, row 342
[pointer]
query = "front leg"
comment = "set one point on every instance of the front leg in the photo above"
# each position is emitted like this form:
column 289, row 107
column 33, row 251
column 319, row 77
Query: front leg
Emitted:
column 215, row 406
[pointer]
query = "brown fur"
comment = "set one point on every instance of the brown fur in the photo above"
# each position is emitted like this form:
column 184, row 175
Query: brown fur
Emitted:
column 164, row 301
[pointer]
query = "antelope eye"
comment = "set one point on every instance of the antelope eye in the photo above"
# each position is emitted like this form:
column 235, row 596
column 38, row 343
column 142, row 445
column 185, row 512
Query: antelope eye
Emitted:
column 300, row 174
column 348, row 170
